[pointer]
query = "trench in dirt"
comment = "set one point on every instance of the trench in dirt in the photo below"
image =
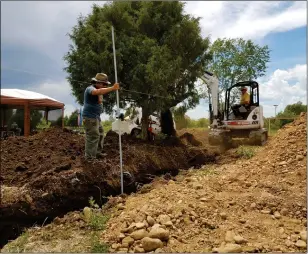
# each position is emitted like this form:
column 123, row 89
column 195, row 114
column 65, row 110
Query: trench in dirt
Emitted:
column 53, row 191
column 12, row 227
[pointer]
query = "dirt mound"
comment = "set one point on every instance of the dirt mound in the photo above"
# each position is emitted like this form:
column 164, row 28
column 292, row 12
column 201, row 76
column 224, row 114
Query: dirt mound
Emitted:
column 199, row 134
column 256, row 205
column 51, row 169
column 189, row 138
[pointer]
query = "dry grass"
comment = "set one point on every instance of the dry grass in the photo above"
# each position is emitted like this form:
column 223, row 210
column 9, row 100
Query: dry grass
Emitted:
column 10, row 195
column 66, row 237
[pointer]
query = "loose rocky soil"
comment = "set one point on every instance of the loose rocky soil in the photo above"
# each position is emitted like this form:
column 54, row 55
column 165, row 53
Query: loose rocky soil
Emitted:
column 47, row 176
column 256, row 205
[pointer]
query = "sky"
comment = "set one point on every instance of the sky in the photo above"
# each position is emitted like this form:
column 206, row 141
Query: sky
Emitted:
column 34, row 40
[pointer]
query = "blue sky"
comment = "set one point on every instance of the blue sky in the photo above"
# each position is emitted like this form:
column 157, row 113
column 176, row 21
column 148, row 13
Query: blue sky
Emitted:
column 33, row 42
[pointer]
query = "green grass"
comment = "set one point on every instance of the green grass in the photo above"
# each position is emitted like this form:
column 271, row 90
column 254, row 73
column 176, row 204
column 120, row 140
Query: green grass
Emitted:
column 98, row 221
column 18, row 245
column 97, row 246
column 246, row 152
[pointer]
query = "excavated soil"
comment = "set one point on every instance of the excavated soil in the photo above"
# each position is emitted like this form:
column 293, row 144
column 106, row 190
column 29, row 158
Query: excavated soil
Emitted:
column 255, row 206
column 46, row 175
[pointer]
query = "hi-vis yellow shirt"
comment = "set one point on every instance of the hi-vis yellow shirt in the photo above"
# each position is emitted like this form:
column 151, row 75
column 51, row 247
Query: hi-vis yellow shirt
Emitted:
column 245, row 99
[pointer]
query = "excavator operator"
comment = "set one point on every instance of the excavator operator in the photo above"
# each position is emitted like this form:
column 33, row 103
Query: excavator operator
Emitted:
column 245, row 98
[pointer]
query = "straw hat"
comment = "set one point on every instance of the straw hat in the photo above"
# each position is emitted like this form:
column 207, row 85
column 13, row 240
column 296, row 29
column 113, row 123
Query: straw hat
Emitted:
column 102, row 78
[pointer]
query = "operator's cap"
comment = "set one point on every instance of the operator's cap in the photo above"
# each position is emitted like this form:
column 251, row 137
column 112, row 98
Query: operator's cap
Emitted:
column 101, row 77
column 243, row 88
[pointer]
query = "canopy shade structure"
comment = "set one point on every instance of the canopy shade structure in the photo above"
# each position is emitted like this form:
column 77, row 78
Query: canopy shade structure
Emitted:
column 29, row 100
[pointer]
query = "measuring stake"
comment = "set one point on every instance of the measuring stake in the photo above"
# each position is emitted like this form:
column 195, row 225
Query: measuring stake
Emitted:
column 118, row 105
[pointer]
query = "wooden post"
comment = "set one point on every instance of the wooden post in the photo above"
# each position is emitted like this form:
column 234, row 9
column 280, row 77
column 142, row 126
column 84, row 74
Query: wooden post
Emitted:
column 27, row 120
column 2, row 116
column 269, row 126
column 62, row 117
column 46, row 115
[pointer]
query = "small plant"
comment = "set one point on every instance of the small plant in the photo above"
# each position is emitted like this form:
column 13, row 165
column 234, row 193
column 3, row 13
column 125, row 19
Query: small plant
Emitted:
column 19, row 244
column 98, row 221
column 43, row 124
column 92, row 203
column 208, row 171
column 97, row 247
column 161, row 136
column 246, row 152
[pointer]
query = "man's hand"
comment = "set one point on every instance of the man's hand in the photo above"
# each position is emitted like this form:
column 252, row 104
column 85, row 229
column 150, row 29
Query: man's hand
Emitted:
column 116, row 86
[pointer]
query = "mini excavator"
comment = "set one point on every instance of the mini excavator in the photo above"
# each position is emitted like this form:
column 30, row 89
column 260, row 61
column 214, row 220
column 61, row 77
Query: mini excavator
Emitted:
column 234, row 120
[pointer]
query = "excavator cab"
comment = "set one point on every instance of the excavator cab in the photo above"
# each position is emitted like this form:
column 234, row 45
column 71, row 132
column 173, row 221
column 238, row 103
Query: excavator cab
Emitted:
column 233, row 109
column 239, row 121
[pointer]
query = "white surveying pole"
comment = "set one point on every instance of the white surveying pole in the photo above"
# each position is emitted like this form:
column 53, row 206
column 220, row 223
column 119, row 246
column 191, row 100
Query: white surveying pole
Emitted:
column 118, row 105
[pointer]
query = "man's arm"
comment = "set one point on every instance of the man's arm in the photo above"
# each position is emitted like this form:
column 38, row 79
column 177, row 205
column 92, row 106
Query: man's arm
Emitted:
column 102, row 91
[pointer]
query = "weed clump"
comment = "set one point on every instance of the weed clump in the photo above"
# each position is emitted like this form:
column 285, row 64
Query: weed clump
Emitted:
column 246, row 152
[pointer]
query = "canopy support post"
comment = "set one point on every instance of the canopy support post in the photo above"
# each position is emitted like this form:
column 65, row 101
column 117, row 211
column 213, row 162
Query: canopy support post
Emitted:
column 27, row 119
column 62, row 117
column 46, row 114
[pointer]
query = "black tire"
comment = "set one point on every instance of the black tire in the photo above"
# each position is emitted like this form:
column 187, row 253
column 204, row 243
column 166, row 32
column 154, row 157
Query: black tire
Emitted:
column 260, row 140
column 263, row 139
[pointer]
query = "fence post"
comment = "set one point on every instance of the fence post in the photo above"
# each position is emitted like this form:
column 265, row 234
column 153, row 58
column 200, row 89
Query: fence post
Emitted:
column 269, row 126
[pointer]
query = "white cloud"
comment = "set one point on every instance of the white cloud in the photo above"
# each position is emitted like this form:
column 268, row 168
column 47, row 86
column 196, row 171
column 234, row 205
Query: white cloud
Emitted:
column 249, row 20
column 69, row 109
column 42, row 25
column 201, row 111
column 284, row 87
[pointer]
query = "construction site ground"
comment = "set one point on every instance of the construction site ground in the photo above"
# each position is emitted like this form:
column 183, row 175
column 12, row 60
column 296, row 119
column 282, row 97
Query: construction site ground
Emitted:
column 200, row 201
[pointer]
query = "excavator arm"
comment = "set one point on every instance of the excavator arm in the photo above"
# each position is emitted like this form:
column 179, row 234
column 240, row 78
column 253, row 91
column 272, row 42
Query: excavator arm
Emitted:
column 212, row 83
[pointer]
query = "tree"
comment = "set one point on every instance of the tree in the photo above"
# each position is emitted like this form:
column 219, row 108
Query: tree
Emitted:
column 35, row 118
column 236, row 60
column 73, row 119
column 291, row 110
column 6, row 115
column 159, row 51
column 43, row 124
column 65, row 120
column 58, row 122
column 295, row 108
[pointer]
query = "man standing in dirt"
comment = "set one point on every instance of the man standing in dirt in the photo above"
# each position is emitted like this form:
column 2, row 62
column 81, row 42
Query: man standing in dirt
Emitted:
column 92, row 111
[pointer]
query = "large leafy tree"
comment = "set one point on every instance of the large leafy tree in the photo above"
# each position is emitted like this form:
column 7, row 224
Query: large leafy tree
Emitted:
column 18, row 118
column 73, row 119
column 236, row 60
column 159, row 51
column 291, row 110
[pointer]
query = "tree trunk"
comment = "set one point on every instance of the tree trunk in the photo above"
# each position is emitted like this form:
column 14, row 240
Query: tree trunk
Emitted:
column 167, row 125
column 144, row 123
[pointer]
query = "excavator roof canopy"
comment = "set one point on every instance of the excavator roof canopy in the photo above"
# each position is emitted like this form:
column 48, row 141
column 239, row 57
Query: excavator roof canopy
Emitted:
column 252, row 84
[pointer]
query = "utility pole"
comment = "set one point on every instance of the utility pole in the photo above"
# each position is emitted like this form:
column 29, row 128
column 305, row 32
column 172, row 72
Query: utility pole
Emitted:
column 275, row 109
